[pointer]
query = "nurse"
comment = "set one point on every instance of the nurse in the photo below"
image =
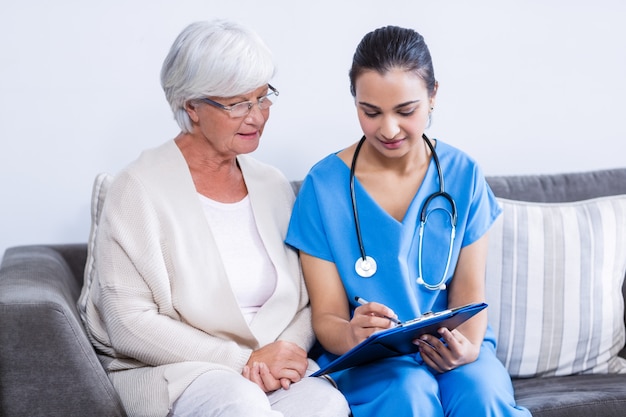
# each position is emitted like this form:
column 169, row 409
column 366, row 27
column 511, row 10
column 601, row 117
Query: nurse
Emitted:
column 356, row 223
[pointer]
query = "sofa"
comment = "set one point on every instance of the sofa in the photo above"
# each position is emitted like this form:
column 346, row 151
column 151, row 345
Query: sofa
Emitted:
column 48, row 367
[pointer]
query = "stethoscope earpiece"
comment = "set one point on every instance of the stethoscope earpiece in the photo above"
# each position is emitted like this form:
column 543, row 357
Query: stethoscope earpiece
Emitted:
column 365, row 266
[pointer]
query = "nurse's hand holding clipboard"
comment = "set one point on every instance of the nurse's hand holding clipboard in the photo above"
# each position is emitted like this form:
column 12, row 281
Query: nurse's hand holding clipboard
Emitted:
column 452, row 350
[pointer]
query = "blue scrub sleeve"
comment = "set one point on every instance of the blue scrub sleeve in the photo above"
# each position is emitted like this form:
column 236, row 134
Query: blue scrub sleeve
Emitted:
column 484, row 210
column 306, row 228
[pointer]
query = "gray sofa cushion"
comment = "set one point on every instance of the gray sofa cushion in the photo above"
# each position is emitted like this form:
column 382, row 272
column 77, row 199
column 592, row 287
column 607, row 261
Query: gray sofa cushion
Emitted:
column 573, row 396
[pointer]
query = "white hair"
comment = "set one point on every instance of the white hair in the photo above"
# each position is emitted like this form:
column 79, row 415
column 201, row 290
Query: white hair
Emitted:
column 216, row 58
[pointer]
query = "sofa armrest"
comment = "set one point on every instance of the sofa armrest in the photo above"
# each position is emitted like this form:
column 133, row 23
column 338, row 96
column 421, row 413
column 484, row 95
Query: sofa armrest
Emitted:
column 47, row 364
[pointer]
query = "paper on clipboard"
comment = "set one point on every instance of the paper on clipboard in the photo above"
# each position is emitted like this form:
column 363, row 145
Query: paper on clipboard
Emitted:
column 399, row 340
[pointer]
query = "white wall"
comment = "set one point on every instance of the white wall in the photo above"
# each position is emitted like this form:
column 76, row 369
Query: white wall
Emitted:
column 525, row 87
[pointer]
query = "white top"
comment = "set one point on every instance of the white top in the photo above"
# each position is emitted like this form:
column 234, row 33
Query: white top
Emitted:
column 238, row 240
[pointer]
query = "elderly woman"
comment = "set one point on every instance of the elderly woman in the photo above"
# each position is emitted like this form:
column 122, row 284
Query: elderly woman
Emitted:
column 196, row 306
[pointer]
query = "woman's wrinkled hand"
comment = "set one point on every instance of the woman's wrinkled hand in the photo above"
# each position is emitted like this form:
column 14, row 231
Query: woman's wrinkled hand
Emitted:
column 276, row 365
column 259, row 373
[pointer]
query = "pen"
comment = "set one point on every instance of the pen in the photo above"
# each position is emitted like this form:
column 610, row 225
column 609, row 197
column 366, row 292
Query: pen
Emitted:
column 363, row 301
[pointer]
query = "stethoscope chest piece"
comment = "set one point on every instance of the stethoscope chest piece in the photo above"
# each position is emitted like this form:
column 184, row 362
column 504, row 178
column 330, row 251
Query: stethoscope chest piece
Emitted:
column 365, row 267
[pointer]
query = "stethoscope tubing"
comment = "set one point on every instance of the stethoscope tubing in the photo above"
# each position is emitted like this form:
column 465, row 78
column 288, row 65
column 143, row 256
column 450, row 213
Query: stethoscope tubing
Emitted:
column 365, row 266
column 357, row 224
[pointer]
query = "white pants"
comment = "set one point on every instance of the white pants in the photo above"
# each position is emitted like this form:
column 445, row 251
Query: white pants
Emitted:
column 228, row 394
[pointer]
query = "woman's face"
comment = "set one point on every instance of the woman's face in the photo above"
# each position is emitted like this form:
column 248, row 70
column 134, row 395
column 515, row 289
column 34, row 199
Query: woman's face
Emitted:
column 230, row 136
column 393, row 109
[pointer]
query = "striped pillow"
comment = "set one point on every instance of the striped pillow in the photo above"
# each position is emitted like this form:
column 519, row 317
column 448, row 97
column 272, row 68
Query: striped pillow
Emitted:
column 554, row 286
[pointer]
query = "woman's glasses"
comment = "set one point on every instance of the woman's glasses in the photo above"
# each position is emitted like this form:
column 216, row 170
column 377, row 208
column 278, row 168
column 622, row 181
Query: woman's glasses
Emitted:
column 242, row 109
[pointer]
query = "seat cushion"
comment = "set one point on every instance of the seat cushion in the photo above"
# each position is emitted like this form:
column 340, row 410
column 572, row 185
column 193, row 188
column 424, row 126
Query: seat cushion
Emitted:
column 573, row 396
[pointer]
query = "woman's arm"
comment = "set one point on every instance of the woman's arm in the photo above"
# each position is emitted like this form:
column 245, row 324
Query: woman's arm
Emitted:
column 135, row 315
column 331, row 310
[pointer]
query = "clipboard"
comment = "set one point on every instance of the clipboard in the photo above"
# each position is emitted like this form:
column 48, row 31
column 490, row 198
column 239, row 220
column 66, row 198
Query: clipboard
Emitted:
column 398, row 341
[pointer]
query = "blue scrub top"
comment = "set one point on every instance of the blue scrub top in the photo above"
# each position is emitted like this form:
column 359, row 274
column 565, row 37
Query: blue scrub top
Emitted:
column 322, row 225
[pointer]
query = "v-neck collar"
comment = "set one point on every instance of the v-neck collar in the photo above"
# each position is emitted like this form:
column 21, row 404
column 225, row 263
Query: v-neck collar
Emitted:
column 412, row 210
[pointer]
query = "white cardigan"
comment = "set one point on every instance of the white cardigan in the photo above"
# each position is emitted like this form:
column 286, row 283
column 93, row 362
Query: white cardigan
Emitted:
column 159, row 308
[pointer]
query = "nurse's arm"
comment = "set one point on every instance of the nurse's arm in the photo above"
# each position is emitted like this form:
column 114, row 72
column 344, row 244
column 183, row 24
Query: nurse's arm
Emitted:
column 461, row 345
column 468, row 286
column 331, row 311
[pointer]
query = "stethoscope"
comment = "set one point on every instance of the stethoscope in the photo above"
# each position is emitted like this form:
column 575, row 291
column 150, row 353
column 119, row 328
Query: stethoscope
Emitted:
column 366, row 266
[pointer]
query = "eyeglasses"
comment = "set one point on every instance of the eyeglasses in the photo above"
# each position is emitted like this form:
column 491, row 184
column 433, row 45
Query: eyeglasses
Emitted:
column 242, row 109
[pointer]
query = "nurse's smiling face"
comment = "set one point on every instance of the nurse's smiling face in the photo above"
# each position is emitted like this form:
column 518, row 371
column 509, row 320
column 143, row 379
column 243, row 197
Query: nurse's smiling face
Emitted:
column 393, row 109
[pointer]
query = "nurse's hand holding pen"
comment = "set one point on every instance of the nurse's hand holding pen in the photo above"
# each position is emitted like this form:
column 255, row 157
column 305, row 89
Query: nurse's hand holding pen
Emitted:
column 371, row 317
